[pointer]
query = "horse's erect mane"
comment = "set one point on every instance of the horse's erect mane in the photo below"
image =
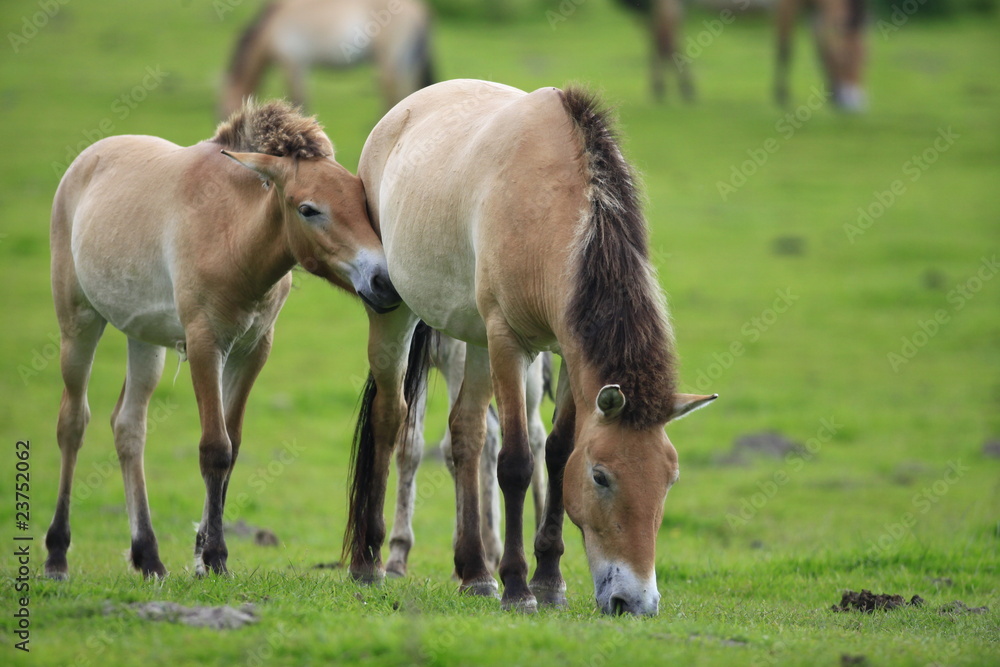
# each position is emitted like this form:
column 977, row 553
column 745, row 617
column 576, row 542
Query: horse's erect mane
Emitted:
column 276, row 128
column 617, row 310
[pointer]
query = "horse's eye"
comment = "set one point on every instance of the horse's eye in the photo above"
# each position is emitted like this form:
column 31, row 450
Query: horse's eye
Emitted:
column 601, row 479
column 307, row 211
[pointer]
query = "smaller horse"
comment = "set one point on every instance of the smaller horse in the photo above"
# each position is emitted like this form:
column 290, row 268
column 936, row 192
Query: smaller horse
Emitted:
column 300, row 34
column 839, row 30
column 192, row 248
column 448, row 356
column 664, row 19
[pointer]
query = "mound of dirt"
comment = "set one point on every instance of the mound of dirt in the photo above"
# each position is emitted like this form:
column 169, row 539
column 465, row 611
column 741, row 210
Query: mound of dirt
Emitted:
column 768, row 444
column 959, row 607
column 991, row 449
column 867, row 601
column 262, row 537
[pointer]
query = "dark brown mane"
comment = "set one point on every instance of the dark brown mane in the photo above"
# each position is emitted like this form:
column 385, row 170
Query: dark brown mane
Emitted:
column 276, row 128
column 617, row 310
column 239, row 61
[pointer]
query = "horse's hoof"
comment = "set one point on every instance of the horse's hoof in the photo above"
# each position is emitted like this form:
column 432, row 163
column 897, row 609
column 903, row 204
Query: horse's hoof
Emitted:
column 368, row 575
column 486, row 588
column 56, row 574
column 525, row 605
column 550, row 595
column 395, row 570
column 156, row 571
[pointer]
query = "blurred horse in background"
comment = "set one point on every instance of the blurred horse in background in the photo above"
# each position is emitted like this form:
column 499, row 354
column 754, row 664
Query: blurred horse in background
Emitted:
column 663, row 19
column 192, row 248
column 839, row 27
column 300, row 34
column 447, row 355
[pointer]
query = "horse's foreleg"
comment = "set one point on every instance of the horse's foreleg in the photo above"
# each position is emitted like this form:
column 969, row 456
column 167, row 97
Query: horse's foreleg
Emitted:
column 508, row 364
column 830, row 29
column 295, row 80
column 215, row 449
column 380, row 426
column 145, row 366
column 81, row 330
column 547, row 583
column 407, row 461
column 467, row 424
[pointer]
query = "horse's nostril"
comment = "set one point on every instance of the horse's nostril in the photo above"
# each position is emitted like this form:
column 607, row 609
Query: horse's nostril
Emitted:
column 380, row 283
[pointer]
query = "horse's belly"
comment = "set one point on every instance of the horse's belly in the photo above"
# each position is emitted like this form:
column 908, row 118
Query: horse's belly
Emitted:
column 134, row 296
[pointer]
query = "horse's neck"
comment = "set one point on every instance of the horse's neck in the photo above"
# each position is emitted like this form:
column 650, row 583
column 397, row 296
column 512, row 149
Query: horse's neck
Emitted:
column 259, row 245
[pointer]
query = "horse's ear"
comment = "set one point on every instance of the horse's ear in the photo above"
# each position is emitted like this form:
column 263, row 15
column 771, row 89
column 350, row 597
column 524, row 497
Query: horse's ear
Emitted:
column 610, row 401
column 267, row 167
column 685, row 403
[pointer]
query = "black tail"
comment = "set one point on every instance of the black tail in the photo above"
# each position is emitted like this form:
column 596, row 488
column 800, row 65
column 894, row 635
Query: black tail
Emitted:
column 362, row 463
column 422, row 56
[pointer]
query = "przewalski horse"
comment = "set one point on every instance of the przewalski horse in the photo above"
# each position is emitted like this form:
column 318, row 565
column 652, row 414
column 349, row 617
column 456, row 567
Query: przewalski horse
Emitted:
column 663, row 19
column 511, row 221
column 299, row 34
column 448, row 356
column 839, row 28
column 192, row 248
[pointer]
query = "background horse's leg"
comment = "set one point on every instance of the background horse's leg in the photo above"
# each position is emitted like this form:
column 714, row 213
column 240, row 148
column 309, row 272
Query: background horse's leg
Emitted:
column 380, row 426
column 829, row 28
column 467, row 424
column 785, row 13
column 547, row 584
column 534, row 391
column 295, row 80
column 215, row 449
column 489, row 493
column 128, row 421
column 667, row 16
column 514, row 467
column 81, row 329
column 408, row 459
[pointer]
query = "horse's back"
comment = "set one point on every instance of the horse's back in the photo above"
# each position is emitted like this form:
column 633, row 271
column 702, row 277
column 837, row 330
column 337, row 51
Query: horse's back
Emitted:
column 111, row 226
column 467, row 181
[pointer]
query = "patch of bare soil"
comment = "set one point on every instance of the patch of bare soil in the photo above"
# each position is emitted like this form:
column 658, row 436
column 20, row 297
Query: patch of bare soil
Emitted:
column 959, row 607
column 217, row 618
column 869, row 602
column 768, row 444
column 991, row 449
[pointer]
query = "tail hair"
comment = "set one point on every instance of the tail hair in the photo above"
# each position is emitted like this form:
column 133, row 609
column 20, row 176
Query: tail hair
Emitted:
column 362, row 464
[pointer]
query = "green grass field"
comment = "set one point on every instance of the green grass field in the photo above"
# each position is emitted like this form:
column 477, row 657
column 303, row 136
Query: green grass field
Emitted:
column 871, row 336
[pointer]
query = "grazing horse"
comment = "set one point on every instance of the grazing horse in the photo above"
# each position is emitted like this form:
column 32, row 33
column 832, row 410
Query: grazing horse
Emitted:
column 192, row 248
column 663, row 19
column 511, row 221
column 448, row 356
column 840, row 41
column 299, row 34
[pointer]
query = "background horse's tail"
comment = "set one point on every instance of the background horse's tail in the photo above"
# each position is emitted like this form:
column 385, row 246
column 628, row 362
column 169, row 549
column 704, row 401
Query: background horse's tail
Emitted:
column 362, row 465
column 422, row 56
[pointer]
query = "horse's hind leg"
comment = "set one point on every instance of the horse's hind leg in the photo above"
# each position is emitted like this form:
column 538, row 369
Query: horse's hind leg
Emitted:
column 407, row 461
column 467, row 424
column 145, row 366
column 489, row 520
column 667, row 16
column 81, row 329
column 785, row 12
